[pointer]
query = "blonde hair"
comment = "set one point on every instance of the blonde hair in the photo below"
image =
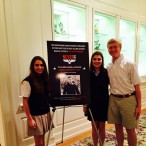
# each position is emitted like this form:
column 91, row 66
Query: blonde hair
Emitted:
column 114, row 40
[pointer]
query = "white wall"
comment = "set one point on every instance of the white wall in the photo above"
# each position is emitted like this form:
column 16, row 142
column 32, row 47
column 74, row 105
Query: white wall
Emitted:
column 25, row 26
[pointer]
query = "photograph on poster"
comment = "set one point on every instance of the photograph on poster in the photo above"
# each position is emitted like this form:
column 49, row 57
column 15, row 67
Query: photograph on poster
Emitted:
column 70, row 85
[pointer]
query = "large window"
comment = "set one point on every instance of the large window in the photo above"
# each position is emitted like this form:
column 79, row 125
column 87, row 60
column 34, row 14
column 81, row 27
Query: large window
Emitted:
column 128, row 37
column 142, row 51
column 69, row 22
column 104, row 29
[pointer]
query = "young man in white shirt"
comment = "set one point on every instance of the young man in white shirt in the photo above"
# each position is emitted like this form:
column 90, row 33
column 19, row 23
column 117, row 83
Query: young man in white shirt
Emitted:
column 125, row 98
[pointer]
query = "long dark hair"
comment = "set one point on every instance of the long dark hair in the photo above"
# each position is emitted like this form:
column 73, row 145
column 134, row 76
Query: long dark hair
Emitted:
column 41, row 82
column 91, row 65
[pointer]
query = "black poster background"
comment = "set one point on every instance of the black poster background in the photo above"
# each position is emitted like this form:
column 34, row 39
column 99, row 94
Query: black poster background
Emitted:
column 68, row 62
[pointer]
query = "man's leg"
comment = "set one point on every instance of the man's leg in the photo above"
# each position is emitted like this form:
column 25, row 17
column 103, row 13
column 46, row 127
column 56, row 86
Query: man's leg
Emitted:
column 119, row 134
column 132, row 137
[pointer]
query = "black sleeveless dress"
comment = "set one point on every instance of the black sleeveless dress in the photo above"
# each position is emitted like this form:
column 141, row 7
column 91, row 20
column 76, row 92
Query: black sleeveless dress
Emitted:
column 99, row 96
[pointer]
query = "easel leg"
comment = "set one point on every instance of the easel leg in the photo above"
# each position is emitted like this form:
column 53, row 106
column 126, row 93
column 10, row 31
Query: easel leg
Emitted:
column 63, row 123
column 51, row 124
column 100, row 142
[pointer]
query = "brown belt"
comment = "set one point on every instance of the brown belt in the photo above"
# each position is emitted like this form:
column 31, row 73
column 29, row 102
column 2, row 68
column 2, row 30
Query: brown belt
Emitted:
column 124, row 95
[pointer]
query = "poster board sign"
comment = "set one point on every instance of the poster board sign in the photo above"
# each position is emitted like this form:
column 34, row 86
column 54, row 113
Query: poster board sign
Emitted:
column 68, row 64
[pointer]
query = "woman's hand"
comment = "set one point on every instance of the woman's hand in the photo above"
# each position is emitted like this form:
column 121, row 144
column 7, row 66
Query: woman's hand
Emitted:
column 32, row 123
column 85, row 110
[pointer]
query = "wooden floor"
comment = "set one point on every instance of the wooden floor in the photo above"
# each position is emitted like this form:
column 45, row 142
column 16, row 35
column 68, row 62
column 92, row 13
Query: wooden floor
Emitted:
column 74, row 139
column 79, row 137
column 82, row 136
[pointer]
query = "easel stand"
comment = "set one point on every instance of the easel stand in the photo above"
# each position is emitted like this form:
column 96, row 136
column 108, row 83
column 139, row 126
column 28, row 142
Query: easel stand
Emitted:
column 51, row 124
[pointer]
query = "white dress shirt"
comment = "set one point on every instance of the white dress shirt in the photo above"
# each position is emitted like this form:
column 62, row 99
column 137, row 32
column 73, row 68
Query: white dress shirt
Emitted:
column 123, row 76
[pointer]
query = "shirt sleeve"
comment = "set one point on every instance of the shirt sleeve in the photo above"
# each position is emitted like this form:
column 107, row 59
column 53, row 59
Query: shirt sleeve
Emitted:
column 135, row 76
column 25, row 89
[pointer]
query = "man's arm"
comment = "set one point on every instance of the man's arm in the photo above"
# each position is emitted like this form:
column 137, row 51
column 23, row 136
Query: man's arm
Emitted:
column 138, row 98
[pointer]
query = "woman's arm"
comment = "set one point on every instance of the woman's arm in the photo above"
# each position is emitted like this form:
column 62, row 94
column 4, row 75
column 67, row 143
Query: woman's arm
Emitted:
column 31, row 122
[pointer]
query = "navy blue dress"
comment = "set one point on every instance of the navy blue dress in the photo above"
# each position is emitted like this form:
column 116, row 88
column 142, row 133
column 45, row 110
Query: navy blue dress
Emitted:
column 99, row 96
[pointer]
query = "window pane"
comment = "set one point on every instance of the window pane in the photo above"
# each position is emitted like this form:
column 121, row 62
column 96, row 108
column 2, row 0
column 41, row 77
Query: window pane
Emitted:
column 142, row 51
column 104, row 29
column 69, row 22
column 128, row 38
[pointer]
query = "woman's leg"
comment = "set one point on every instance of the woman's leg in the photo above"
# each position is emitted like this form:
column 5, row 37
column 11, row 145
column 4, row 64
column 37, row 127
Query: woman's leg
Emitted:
column 39, row 140
column 102, row 132
column 94, row 133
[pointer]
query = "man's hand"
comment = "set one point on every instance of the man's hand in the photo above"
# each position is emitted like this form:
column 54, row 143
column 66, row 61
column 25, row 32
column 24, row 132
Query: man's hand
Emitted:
column 137, row 112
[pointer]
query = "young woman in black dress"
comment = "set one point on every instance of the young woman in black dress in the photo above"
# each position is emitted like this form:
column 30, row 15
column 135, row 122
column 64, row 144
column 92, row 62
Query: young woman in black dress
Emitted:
column 99, row 97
